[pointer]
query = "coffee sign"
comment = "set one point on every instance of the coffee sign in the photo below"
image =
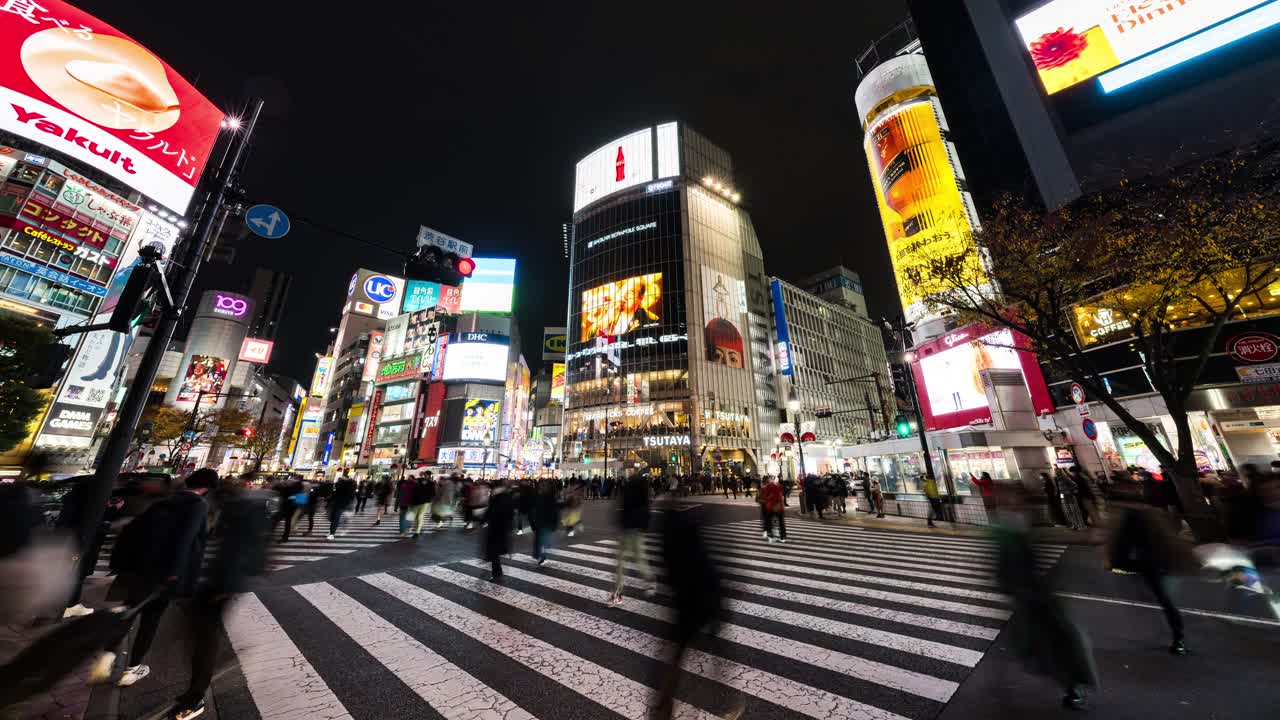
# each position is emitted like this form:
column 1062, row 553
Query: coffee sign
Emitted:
column 1252, row 348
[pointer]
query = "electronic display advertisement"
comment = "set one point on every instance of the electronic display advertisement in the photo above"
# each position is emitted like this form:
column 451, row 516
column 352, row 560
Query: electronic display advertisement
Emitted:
column 320, row 380
column 420, row 295
column 75, row 84
column 490, row 287
column 724, row 301
column 926, row 217
column 617, row 308
column 205, row 374
column 476, row 357
column 948, row 375
column 1071, row 41
column 557, row 381
column 480, row 421
column 623, row 163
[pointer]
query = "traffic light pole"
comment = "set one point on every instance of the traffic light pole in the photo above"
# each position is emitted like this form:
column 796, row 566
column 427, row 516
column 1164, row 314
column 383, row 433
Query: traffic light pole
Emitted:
column 135, row 399
column 901, row 330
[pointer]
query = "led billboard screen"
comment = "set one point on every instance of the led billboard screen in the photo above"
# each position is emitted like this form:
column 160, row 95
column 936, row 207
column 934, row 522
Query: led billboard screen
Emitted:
column 490, row 287
column 205, row 374
column 480, row 421
column 75, row 84
column 926, row 217
column 557, row 381
column 620, row 307
column 627, row 162
column 478, row 357
column 949, row 375
column 1071, row 41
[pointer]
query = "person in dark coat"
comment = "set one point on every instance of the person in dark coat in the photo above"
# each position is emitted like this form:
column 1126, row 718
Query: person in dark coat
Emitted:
column 382, row 494
column 1145, row 543
column 497, row 537
column 697, row 597
column 240, row 556
column 158, row 557
column 814, row 496
column 1054, row 500
column 288, row 491
column 344, row 493
column 1086, row 498
column 72, row 518
column 526, row 496
column 546, row 518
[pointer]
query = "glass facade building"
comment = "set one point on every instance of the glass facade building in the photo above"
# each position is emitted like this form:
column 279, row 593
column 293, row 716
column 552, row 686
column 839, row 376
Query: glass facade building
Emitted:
column 668, row 313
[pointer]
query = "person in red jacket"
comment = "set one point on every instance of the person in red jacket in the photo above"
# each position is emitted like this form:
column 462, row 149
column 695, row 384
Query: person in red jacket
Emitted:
column 772, row 503
column 986, row 488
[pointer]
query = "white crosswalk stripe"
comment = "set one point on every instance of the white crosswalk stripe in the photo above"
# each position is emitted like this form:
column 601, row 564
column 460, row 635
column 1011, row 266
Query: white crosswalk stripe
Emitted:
column 810, row 629
column 358, row 533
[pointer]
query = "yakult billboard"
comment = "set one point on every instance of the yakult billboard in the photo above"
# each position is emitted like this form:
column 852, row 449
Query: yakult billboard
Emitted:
column 75, row 84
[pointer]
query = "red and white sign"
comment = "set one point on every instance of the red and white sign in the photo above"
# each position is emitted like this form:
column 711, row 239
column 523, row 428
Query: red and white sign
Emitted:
column 428, row 422
column 79, row 86
column 786, row 433
column 1252, row 348
column 370, row 427
column 256, row 351
column 1077, row 394
column 626, row 162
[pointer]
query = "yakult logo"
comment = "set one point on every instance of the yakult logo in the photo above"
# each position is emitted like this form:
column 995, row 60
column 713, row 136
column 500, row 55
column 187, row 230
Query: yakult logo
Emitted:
column 230, row 305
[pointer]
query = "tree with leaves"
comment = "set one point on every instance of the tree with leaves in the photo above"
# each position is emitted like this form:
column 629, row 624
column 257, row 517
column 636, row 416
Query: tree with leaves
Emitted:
column 19, row 404
column 1196, row 246
column 211, row 426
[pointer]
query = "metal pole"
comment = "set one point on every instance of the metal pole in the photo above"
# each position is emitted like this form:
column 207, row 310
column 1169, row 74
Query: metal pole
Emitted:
column 135, row 399
column 795, row 418
column 915, row 400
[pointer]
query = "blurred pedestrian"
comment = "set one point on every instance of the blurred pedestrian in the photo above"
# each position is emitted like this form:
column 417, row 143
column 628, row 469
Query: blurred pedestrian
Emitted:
column 634, row 521
column 572, row 518
column 986, row 490
column 363, row 491
column 935, row 500
column 877, row 497
column 404, row 499
column 382, row 496
column 814, row 496
column 442, row 505
column 546, row 518
column 696, row 596
column 240, row 555
column 291, row 493
column 344, row 493
column 420, row 497
column 526, row 496
column 1053, row 500
column 1086, row 497
column 75, row 511
column 157, row 558
column 498, row 520
column 1145, row 543
column 307, row 501
column 773, row 506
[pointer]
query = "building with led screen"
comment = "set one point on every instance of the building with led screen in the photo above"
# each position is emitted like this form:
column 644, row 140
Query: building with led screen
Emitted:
column 668, row 360
column 924, row 201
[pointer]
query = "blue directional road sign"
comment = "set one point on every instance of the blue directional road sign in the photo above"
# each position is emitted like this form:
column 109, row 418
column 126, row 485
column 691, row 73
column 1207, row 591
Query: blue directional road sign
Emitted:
column 267, row 221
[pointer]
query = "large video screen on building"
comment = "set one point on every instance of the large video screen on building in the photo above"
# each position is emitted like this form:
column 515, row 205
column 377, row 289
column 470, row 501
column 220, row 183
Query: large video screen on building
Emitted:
column 926, row 216
column 618, row 308
column 490, row 287
column 205, row 375
column 949, row 375
column 75, row 84
column 477, row 357
column 480, row 421
column 1071, row 41
column 625, row 163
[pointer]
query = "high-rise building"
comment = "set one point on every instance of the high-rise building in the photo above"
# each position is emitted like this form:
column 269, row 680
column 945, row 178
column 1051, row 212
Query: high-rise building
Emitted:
column 838, row 285
column 269, row 290
column 668, row 358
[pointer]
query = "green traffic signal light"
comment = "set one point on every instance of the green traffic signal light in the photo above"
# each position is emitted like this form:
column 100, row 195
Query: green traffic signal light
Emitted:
column 904, row 427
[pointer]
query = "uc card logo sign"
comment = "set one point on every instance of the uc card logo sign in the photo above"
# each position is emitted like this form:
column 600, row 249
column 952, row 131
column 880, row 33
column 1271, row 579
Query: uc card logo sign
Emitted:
column 380, row 288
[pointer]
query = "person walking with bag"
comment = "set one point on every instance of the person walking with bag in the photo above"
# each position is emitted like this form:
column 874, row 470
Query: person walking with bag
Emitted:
column 157, row 558
column 634, row 519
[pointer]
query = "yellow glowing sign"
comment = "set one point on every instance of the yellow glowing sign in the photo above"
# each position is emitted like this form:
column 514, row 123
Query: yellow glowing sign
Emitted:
column 925, row 216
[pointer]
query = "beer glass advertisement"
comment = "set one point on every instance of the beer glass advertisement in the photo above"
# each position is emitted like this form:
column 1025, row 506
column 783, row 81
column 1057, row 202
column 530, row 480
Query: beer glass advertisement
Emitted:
column 621, row 307
column 926, row 217
column 205, row 374
column 480, row 421
column 724, row 302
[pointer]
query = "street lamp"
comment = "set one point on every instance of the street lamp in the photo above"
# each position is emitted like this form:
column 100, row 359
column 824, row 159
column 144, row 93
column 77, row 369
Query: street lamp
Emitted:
column 794, row 406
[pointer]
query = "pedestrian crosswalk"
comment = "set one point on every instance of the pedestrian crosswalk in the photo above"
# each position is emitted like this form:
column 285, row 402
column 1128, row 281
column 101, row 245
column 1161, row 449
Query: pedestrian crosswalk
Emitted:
column 840, row 622
column 357, row 533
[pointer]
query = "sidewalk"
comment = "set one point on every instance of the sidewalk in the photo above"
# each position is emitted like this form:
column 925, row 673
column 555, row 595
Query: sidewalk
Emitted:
column 70, row 697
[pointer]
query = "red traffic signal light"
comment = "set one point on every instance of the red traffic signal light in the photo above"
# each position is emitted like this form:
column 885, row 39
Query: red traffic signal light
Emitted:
column 246, row 433
column 465, row 266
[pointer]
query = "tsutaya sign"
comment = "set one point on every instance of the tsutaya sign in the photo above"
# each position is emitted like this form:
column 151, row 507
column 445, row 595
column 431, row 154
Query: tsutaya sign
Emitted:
column 667, row 440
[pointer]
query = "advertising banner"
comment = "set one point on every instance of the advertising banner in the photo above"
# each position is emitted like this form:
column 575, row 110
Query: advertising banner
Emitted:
column 557, row 382
column 320, row 380
column 926, row 217
column 429, row 431
column 480, row 421
column 478, row 357
column 1071, row 41
column 783, row 349
column 450, row 299
column 399, row 368
column 724, row 304
column 370, row 426
column 948, row 375
column 555, row 340
column 206, row 374
column 375, row 294
column 420, row 295
column 71, row 420
column 490, row 287
column 626, row 162
column 74, row 83
column 373, row 356
column 255, row 350
column 617, row 308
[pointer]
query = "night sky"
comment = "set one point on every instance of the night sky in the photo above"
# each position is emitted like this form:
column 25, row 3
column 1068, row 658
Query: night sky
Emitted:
column 469, row 118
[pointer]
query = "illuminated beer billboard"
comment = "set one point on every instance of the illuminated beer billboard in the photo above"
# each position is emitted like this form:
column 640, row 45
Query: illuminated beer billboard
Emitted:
column 927, row 213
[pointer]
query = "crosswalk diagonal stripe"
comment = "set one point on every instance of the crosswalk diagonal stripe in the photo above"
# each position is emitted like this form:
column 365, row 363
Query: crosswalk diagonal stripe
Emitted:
column 616, row 692
column 872, row 636
column 792, row 695
column 740, row 554
column 860, row 546
column 447, row 688
column 903, row 541
column 800, row 553
column 825, row 530
column 284, row 686
column 846, row 606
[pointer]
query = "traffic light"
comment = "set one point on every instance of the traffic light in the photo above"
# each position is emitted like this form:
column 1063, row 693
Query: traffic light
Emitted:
column 133, row 306
column 246, row 433
column 900, row 373
column 903, row 426
column 47, row 364
column 432, row 264
column 463, row 265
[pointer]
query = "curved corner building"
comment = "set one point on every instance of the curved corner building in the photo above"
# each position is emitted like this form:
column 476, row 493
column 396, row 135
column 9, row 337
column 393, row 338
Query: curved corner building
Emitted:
column 924, row 202
column 668, row 362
